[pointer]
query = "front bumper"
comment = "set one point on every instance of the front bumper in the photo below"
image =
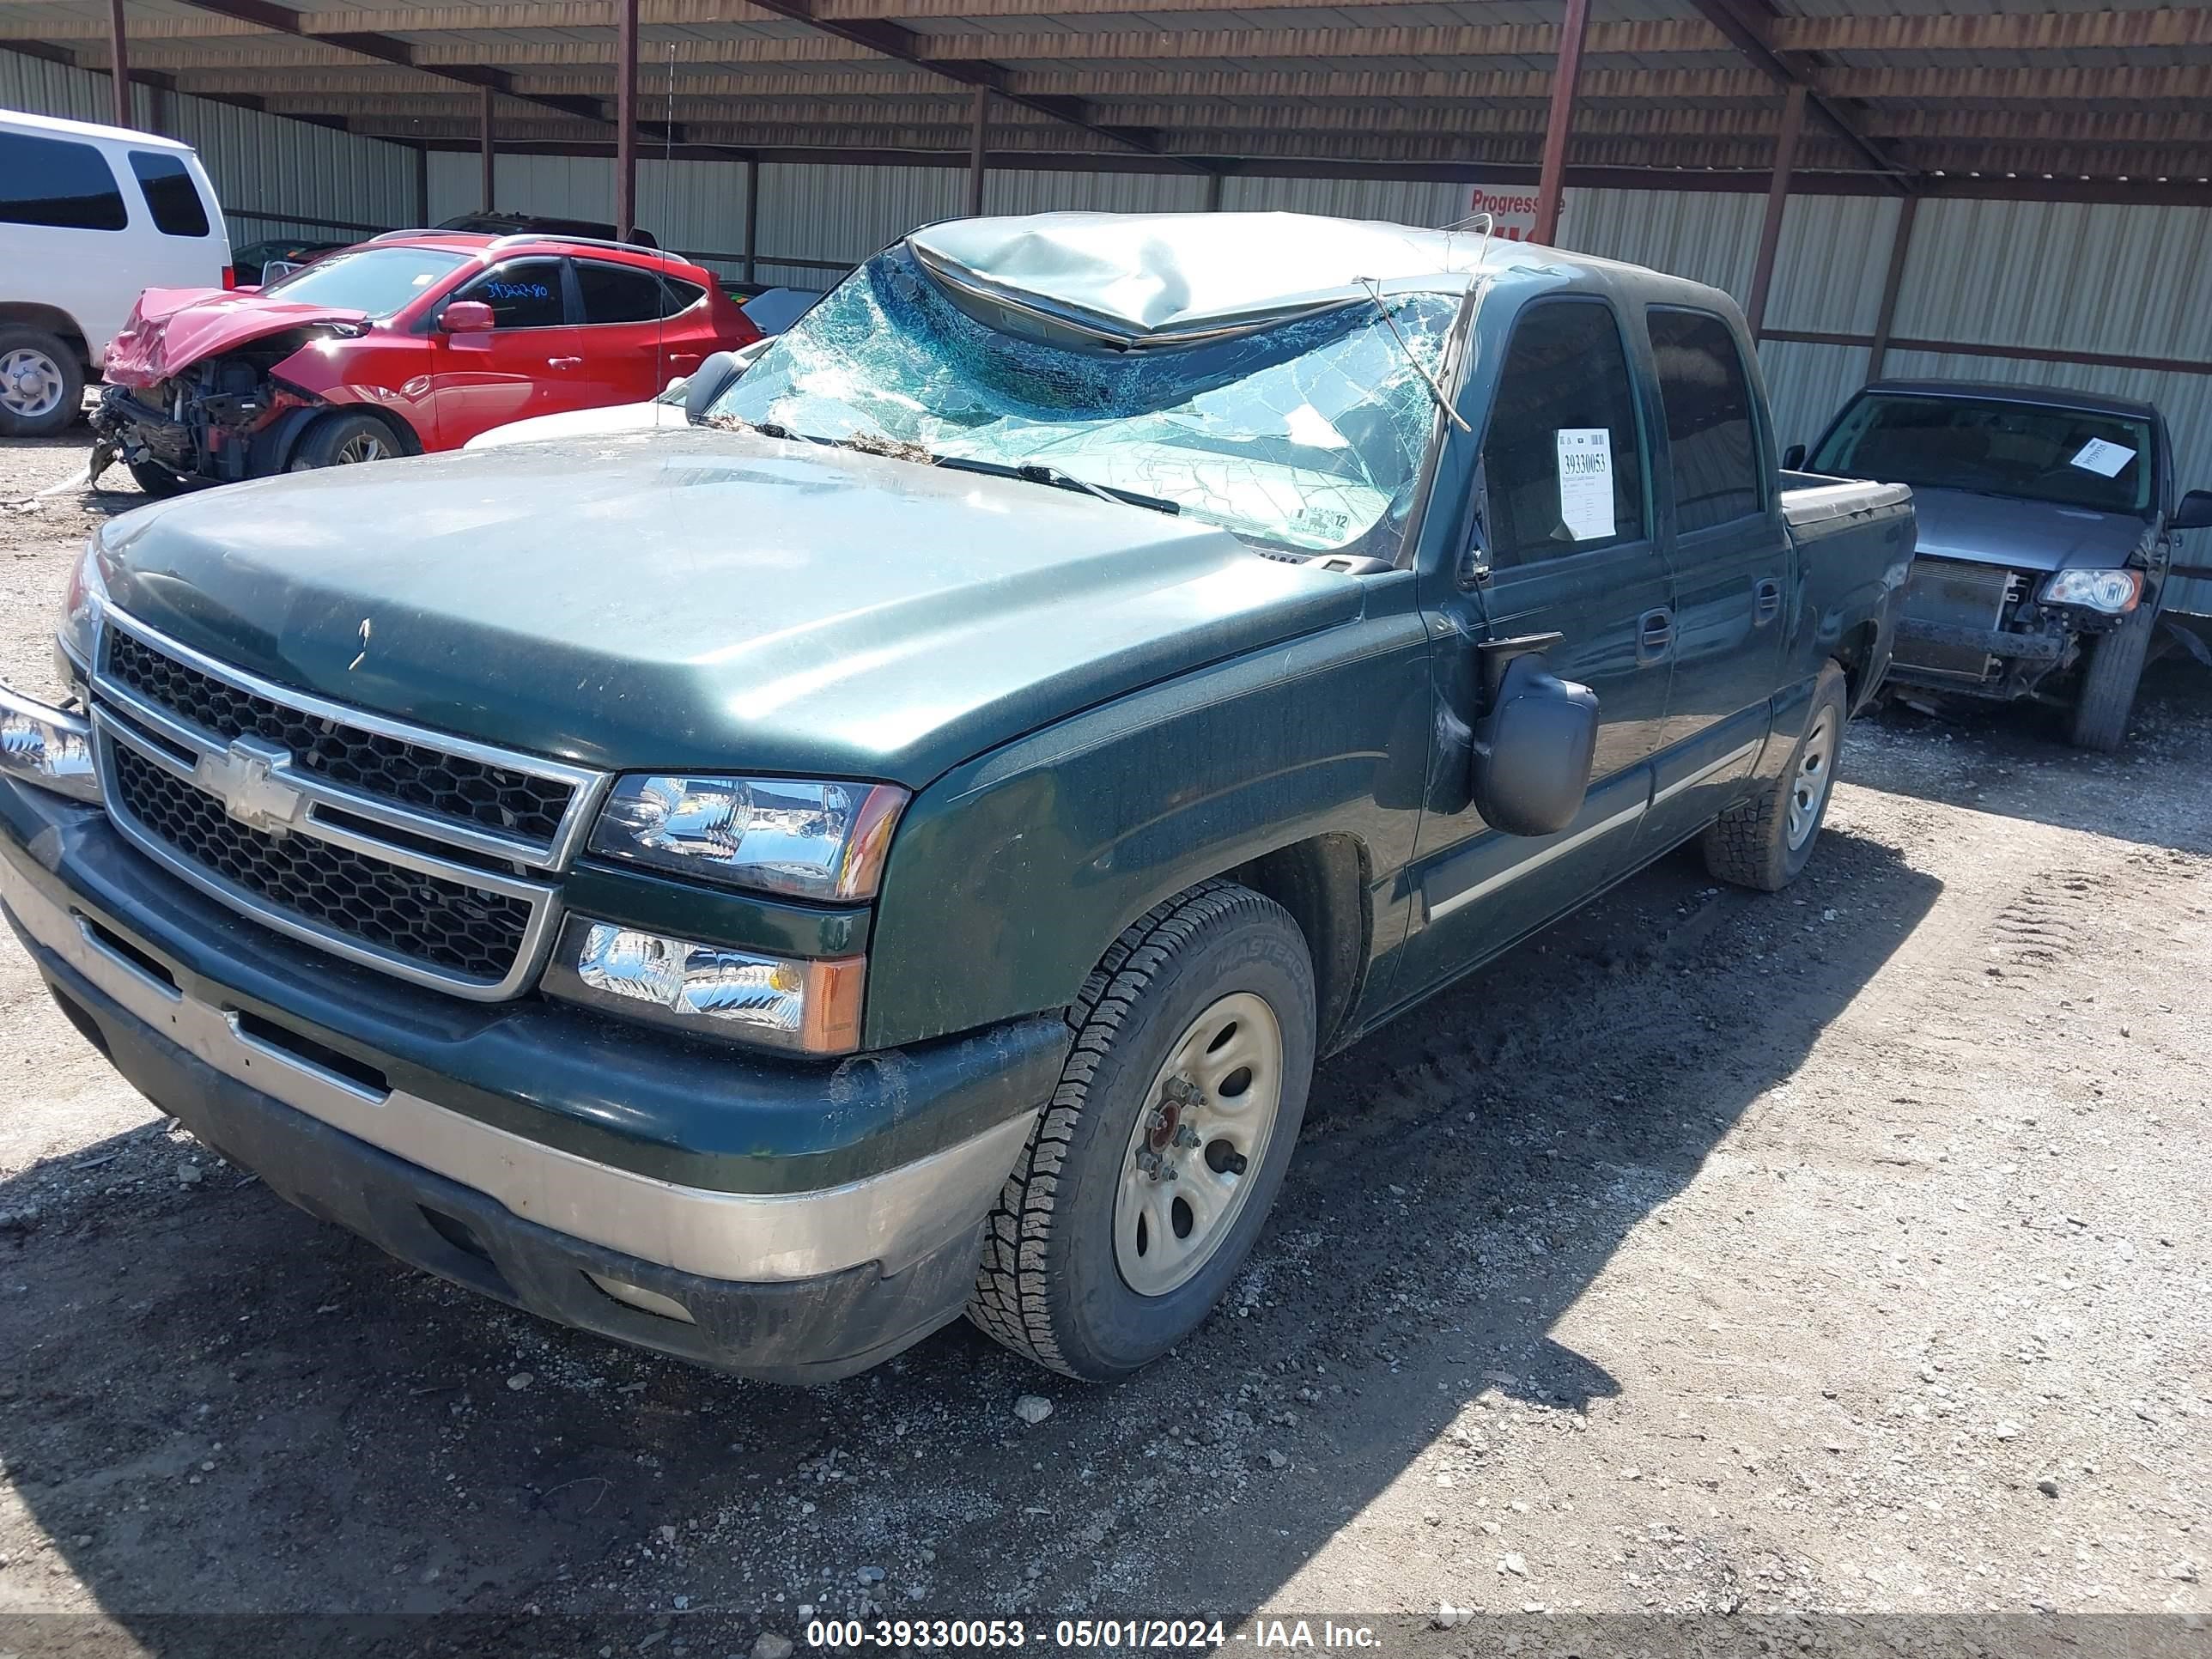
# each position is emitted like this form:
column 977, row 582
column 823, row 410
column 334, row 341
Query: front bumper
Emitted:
column 807, row 1220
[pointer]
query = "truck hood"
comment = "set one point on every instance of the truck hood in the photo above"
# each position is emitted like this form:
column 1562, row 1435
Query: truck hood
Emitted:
column 705, row 599
column 173, row 328
column 1957, row 523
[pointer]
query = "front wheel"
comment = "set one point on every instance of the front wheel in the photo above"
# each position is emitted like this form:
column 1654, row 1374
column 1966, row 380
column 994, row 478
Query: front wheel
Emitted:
column 1767, row 840
column 345, row 440
column 158, row 481
column 2106, row 695
column 41, row 383
column 1150, row 1175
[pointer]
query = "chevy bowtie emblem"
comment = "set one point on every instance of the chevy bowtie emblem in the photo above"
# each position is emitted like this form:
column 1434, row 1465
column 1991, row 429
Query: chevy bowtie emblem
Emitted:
column 239, row 776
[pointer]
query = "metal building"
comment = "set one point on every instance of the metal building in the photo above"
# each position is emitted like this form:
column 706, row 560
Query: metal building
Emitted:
column 2008, row 189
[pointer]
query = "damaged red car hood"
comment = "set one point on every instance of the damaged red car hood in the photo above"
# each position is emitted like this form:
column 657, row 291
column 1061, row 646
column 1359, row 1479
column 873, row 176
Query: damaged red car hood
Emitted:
column 171, row 328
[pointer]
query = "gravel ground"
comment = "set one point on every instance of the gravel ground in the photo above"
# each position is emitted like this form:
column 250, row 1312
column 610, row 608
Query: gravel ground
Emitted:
column 1837, row 1252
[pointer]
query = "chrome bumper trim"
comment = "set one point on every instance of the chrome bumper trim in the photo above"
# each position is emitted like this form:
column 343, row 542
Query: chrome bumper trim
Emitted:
column 892, row 1218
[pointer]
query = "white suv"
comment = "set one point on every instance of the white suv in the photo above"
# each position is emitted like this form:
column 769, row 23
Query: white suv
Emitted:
column 90, row 216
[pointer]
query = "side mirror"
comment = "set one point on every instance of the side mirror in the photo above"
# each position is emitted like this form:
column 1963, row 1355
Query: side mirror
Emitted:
column 1534, row 748
column 466, row 317
column 2195, row 512
column 1793, row 459
column 715, row 374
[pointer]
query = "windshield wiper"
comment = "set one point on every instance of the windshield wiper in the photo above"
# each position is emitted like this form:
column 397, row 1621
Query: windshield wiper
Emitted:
column 1043, row 473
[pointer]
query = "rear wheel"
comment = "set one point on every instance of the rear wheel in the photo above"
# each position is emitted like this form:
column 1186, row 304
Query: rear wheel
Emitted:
column 1765, row 843
column 345, row 440
column 2107, row 693
column 41, row 383
column 1148, row 1177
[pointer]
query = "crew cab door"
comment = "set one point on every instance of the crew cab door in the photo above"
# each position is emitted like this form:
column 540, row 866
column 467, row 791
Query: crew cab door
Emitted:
column 1565, row 532
column 1731, row 558
column 529, row 363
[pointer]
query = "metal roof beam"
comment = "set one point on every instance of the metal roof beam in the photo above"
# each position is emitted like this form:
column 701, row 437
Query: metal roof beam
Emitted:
column 894, row 40
column 385, row 48
column 1749, row 25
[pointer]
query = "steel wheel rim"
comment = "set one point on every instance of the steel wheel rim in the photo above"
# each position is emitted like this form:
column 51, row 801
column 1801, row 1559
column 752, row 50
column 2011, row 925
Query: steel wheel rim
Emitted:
column 30, row 383
column 361, row 446
column 1808, row 782
column 1199, row 1143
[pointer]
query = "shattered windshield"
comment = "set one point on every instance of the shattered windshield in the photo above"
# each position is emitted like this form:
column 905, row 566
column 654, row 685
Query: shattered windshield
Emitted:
column 377, row 280
column 1307, row 436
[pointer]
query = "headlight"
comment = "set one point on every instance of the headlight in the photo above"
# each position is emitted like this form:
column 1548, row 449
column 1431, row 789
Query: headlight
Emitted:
column 809, row 840
column 46, row 748
column 2112, row 591
column 809, row 1007
column 81, row 606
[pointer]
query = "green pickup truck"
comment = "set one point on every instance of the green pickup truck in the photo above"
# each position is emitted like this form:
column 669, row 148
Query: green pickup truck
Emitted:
column 898, row 843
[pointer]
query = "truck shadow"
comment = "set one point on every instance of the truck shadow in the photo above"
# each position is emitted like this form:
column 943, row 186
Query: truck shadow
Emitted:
column 216, row 1406
column 2013, row 760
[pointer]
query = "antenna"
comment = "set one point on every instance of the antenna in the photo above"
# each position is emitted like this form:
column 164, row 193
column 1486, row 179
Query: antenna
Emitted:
column 667, row 217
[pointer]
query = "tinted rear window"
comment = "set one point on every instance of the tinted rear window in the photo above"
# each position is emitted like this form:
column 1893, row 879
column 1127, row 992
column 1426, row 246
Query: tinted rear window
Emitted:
column 1713, row 445
column 54, row 181
column 170, row 192
column 619, row 294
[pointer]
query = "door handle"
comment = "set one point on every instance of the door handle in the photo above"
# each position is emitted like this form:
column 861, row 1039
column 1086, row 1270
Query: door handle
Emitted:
column 1654, row 636
column 564, row 362
column 1765, row 601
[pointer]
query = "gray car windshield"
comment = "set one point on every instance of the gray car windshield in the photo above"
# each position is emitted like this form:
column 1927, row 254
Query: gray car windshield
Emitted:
column 377, row 280
column 1307, row 436
column 2070, row 457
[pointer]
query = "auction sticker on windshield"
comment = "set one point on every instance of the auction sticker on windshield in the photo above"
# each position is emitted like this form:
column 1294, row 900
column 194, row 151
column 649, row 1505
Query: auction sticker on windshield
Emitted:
column 1586, row 482
column 2103, row 459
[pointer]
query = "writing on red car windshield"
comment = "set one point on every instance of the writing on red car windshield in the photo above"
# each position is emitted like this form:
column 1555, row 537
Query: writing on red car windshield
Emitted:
column 517, row 291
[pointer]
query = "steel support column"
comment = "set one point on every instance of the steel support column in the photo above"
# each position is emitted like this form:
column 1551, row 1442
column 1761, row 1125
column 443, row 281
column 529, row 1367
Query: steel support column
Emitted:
column 422, row 185
column 483, row 119
column 752, row 217
column 977, row 123
column 625, row 119
column 1900, row 248
column 1551, row 174
column 1214, row 182
column 1777, row 197
column 119, row 64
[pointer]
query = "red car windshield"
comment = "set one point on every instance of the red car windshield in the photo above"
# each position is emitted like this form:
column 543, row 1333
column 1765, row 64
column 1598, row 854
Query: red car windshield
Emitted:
column 377, row 280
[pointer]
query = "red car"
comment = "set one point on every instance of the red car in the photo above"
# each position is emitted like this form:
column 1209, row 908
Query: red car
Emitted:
column 414, row 342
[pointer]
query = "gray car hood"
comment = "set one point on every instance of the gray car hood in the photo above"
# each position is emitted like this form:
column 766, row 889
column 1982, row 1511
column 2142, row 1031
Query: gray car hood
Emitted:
column 1957, row 523
column 698, row 599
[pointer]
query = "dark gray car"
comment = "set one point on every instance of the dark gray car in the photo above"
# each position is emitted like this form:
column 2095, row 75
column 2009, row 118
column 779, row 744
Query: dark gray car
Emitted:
column 2047, row 521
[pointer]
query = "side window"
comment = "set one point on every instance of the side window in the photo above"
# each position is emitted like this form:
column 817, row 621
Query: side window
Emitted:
column 682, row 296
column 1562, row 460
column 169, row 193
column 524, row 294
column 53, row 181
column 619, row 294
column 1709, row 434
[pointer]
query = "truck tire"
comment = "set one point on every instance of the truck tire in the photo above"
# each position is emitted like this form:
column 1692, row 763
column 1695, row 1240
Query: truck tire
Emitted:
column 2106, row 695
column 345, row 440
column 41, row 383
column 1151, row 1172
column 1767, row 840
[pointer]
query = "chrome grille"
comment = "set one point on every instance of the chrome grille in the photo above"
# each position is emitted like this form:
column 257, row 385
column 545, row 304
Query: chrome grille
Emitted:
column 422, row 854
column 447, row 786
column 471, row 931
